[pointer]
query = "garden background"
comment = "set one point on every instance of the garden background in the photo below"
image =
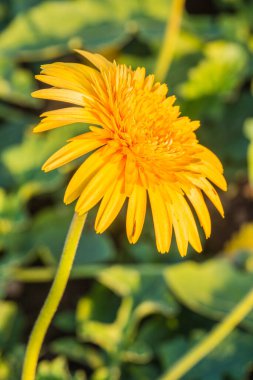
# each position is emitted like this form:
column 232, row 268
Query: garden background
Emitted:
column 128, row 312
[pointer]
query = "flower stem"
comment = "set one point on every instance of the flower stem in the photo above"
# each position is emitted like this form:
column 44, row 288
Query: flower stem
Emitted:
column 45, row 274
column 220, row 332
column 169, row 40
column 54, row 297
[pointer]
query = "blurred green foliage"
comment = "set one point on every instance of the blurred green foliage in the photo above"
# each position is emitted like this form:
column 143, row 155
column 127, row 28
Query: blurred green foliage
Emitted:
column 130, row 313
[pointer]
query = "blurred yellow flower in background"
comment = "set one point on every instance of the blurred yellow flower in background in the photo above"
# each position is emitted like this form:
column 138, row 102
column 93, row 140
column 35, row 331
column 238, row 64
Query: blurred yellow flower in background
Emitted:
column 142, row 148
column 242, row 240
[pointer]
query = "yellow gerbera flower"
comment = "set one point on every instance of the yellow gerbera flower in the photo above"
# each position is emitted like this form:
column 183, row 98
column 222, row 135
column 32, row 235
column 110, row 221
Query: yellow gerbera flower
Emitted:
column 142, row 148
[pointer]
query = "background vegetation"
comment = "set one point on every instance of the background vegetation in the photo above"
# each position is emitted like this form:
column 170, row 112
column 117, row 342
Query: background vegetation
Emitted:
column 128, row 312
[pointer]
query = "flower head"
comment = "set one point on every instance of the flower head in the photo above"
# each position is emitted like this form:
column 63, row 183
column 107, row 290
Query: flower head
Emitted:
column 142, row 148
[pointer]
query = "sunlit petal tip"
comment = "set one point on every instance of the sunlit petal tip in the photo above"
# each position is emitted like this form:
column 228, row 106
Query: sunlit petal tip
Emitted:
column 96, row 59
column 162, row 251
column 199, row 249
column 132, row 239
column 45, row 169
column 37, row 129
column 183, row 254
column 34, row 94
column 222, row 184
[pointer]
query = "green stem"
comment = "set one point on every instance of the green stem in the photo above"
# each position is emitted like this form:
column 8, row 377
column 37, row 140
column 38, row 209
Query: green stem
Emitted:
column 54, row 297
column 37, row 274
column 170, row 40
column 220, row 332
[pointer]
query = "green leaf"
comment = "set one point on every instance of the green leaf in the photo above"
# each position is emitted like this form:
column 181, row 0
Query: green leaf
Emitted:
column 94, row 305
column 48, row 242
column 248, row 128
column 219, row 73
column 147, row 290
column 16, row 84
column 248, row 131
column 77, row 352
column 106, row 335
column 138, row 352
column 143, row 295
column 57, row 370
column 137, row 372
column 4, row 370
column 211, row 289
column 105, row 373
column 31, row 35
column 13, row 220
column 65, row 321
column 34, row 150
column 152, row 299
column 48, row 234
column 233, row 357
column 122, row 281
column 8, row 317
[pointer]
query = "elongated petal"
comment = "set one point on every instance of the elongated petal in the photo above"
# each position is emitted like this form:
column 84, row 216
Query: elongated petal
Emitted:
column 60, row 95
column 96, row 59
column 70, row 152
column 97, row 187
column 196, row 198
column 59, row 82
column 90, row 166
column 209, row 156
column 161, row 219
column 48, row 124
column 214, row 176
column 131, row 174
column 74, row 72
column 67, row 112
column 110, row 206
column 185, row 215
column 136, row 212
column 64, row 116
column 210, row 192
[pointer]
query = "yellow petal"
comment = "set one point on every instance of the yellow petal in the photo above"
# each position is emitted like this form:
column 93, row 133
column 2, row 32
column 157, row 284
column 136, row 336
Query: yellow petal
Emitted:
column 97, row 187
column 131, row 174
column 209, row 156
column 161, row 219
column 176, row 211
column 148, row 83
column 214, row 176
column 185, row 214
column 136, row 212
column 47, row 124
column 67, row 112
column 60, row 95
column 110, row 206
column 74, row 72
column 210, row 192
column 70, row 152
column 196, row 198
column 139, row 77
column 60, row 82
column 64, row 116
column 96, row 59
column 83, row 174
